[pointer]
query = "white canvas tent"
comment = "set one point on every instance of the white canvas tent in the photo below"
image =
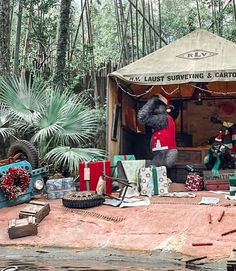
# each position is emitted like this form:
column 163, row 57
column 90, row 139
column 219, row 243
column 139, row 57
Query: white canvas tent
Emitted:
column 199, row 56
column 200, row 60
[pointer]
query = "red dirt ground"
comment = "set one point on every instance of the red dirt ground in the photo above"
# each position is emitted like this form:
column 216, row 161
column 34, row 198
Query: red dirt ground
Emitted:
column 170, row 224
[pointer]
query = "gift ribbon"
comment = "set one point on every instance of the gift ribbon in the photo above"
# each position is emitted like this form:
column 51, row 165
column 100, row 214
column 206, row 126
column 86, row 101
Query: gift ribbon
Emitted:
column 155, row 179
column 87, row 181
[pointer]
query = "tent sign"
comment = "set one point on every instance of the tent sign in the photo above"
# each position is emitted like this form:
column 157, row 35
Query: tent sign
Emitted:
column 178, row 78
column 197, row 54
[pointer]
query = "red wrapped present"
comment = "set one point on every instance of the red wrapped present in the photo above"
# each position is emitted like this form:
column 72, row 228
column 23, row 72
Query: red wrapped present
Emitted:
column 89, row 173
column 194, row 182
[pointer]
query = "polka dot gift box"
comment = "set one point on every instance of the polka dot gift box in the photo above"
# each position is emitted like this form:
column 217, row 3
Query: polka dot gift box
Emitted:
column 153, row 181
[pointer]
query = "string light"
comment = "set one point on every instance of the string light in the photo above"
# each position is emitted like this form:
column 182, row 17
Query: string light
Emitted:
column 212, row 91
column 177, row 89
column 135, row 95
column 170, row 93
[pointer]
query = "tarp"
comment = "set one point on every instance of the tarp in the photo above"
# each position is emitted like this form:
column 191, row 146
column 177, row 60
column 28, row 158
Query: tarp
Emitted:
column 197, row 57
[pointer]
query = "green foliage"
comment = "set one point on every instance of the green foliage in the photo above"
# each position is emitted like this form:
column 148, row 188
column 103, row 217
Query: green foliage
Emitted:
column 105, row 33
column 52, row 119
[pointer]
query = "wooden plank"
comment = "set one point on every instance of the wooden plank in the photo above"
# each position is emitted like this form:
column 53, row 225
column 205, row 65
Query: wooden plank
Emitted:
column 39, row 210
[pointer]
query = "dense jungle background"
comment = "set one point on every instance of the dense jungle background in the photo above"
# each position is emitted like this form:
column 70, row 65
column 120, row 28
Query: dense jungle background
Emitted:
column 55, row 57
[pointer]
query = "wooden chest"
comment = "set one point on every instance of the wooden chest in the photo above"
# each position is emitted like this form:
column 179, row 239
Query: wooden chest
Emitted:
column 190, row 155
column 22, row 227
column 37, row 209
column 220, row 182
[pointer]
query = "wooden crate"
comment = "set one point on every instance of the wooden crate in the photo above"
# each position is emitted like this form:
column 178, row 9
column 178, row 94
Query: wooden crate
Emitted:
column 231, row 262
column 22, row 227
column 36, row 209
column 190, row 155
column 220, row 182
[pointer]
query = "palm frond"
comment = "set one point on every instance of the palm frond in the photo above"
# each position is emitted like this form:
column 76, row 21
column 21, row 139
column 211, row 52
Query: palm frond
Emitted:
column 5, row 130
column 70, row 157
column 24, row 99
column 66, row 119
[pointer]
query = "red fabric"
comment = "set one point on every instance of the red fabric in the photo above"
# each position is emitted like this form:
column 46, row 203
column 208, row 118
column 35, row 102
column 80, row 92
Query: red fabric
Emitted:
column 96, row 170
column 166, row 137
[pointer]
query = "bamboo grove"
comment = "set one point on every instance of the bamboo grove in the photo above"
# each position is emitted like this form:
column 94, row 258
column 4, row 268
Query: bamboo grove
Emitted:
column 78, row 42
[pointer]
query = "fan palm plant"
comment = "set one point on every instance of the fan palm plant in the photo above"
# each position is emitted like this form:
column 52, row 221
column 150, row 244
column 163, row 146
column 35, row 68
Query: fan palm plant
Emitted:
column 55, row 121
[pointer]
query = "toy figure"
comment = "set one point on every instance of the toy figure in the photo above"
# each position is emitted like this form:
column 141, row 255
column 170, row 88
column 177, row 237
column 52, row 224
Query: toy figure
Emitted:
column 163, row 145
column 219, row 156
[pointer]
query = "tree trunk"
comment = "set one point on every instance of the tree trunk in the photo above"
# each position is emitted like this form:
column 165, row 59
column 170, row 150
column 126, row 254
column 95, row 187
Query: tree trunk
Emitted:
column 143, row 29
column 91, row 46
column 234, row 10
column 137, row 28
column 198, row 14
column 4, row 36
column 159, row 10
column 27, row 41
column 81, row 22
column 17, row 42
column 62, row 43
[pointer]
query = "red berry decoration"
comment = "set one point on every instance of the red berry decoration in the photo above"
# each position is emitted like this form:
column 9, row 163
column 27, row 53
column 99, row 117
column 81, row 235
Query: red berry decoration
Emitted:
column 14, row 182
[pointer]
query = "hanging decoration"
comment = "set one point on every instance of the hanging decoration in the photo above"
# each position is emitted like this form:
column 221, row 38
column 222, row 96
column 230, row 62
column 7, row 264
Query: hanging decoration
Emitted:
column 199, row 88
column 131, row 94
column 14, row 182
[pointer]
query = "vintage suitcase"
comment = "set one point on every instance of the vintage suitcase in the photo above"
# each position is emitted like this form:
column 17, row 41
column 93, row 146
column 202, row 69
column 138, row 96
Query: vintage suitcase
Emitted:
column 220, row 182
column 22, row 227
column 153, row 181
column 57, row 188
column 36, row 209
column 89, row 173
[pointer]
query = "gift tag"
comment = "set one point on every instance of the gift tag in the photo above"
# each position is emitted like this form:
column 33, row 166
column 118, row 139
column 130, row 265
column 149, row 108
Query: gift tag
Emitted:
column 87, row 174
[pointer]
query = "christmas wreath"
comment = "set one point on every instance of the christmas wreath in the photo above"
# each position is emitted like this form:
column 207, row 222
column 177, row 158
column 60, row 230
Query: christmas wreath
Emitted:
column 14, row 182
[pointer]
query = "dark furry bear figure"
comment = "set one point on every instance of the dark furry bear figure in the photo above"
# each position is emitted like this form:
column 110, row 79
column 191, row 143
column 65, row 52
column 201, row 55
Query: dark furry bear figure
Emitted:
column 163, row 145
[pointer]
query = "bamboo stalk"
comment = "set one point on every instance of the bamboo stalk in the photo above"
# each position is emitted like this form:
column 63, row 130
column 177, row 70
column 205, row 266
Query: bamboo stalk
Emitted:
column 146, row 20
column 234, row 10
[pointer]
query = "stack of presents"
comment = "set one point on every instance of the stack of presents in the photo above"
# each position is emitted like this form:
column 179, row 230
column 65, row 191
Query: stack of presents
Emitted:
column 125, row 174
column 124, row 169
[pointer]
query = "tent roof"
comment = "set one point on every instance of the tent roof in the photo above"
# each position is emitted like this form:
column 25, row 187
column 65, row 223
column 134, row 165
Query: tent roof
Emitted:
column 200, row 56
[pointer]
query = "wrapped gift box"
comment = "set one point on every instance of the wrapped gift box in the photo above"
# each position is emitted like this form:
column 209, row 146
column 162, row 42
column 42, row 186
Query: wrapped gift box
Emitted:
column 117, row 158
column 153, row 181
column 57, row 188
column 90, row 172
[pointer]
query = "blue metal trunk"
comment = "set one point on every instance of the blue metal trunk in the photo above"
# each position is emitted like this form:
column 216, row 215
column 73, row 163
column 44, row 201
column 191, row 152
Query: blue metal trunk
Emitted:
column 36, row 174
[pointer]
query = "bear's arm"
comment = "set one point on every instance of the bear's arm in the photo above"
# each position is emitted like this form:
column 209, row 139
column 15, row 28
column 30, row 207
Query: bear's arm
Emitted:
column 146, row 111
column 146, row 115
